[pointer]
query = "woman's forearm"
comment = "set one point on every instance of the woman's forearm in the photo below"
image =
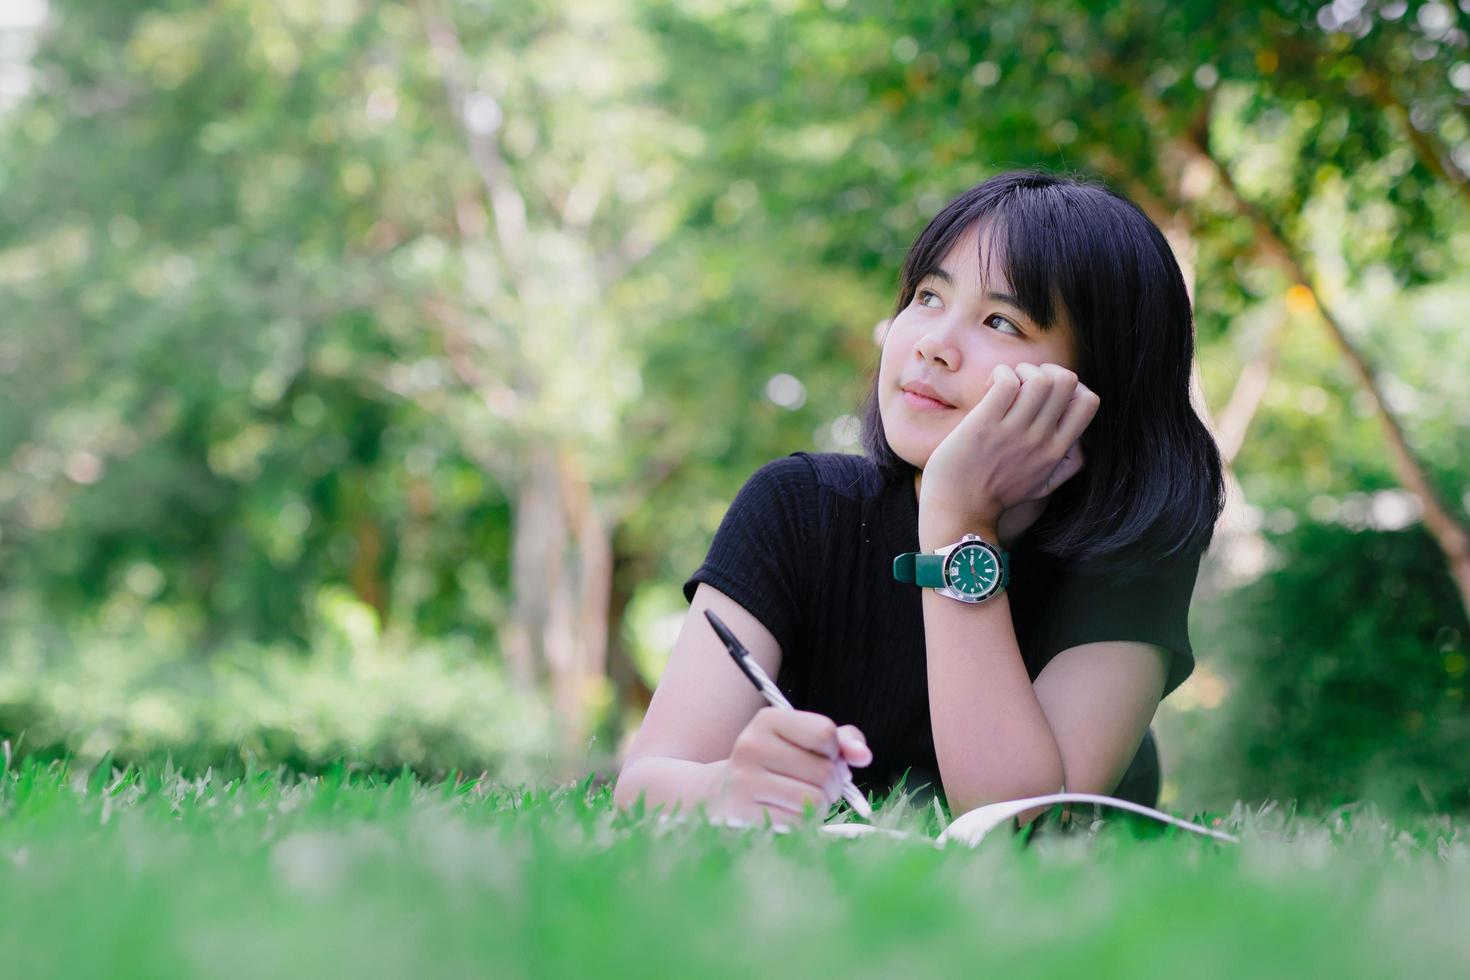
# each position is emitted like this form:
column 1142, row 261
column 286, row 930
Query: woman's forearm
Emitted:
column 991, row 738
column 668, row 782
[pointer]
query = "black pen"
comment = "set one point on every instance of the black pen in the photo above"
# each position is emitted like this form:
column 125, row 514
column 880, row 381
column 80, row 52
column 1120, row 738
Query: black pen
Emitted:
column 772, row 693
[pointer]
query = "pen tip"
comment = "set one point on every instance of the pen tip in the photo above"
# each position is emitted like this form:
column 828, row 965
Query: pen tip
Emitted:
column 719, row 627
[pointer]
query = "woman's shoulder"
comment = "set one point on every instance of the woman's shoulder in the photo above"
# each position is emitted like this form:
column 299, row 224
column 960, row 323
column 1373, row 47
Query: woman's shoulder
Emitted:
column 795, row 484
column 844, row 473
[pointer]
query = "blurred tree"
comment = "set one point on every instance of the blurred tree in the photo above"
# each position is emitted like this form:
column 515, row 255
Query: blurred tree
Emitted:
column 361, row 297
column 484, row 312
column 330, row 317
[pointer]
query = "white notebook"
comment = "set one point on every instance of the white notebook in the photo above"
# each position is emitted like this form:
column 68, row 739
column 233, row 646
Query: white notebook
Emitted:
column 970, row 828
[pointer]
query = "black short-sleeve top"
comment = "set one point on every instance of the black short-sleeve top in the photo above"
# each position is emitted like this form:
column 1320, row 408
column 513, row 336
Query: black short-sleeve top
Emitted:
column 807, row 547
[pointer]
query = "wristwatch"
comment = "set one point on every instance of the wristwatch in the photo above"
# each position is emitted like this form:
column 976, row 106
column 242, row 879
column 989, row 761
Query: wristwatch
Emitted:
column 970, row 570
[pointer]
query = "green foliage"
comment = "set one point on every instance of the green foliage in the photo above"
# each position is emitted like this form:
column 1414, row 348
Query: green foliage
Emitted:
column 358, row 696
column 233, row 326
column 269, row 349
column 1347, row 671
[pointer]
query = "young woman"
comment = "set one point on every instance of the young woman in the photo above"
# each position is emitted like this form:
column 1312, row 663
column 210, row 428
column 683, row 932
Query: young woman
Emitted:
column 992, row 601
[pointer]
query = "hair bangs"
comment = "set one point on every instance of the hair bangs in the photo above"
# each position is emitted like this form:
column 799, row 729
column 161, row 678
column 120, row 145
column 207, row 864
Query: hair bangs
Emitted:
column 1029, row 253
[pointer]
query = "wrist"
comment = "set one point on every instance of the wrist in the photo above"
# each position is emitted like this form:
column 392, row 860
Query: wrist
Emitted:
column 716, row 782
column 939, row 531
column 941, row 518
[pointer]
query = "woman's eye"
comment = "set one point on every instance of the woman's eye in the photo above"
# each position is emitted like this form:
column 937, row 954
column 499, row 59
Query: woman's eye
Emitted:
column 997, row 317
column 929, row 298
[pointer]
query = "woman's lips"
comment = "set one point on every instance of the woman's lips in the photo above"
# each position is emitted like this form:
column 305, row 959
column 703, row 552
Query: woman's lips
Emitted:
column 924, row 404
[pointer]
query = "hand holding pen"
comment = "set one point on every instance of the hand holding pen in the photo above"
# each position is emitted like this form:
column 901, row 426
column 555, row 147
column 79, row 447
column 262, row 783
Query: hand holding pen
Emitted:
column 786, row 757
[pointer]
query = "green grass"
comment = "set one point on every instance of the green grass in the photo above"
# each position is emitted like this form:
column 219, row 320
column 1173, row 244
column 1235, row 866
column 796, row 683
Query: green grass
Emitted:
column 152, row 874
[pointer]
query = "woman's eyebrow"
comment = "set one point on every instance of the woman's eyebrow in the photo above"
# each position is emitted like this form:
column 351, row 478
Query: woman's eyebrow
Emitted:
column 948, row 280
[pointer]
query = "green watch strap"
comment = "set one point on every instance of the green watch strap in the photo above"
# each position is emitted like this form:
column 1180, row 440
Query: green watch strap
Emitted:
column 927, row 571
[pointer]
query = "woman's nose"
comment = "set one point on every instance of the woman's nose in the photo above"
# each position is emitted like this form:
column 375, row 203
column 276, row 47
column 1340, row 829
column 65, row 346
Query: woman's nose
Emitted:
column 938, row 345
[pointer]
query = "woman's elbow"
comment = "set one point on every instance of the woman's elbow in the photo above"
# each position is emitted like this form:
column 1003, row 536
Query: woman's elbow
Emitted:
column 625, row 787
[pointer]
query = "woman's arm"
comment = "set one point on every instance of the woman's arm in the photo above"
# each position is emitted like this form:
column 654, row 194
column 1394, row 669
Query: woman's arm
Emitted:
column 701, row 704
column 709, row 736
column 668, row 782
column 991, row 737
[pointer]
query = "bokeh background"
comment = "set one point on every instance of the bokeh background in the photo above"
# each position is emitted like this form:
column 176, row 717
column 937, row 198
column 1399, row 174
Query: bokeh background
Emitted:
column 373, row 373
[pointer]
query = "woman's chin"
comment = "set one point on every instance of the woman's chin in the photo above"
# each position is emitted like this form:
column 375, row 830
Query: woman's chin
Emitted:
column 913, row 448
column 917, row 458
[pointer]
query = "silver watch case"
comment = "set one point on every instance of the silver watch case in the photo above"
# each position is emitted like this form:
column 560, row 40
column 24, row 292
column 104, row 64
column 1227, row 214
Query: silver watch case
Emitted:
column 947, row 590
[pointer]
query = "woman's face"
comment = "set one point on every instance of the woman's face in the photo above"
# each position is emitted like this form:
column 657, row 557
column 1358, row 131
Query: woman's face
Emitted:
column 950, row 337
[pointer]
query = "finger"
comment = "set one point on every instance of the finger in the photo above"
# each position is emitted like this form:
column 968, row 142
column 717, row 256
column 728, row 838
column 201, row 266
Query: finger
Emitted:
column 792, row 760
column 1063, row 387
column 780, row 814
column 1035, row 389
column 1004, row 385
column 854, row 746
column 808, row 729
column 792, row 794
column 1077, row 415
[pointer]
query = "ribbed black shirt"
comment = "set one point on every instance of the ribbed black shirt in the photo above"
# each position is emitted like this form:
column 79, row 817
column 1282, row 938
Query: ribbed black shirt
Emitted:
column 807, row 547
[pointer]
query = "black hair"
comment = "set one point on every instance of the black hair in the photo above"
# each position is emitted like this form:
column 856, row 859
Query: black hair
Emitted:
column 1152, row 482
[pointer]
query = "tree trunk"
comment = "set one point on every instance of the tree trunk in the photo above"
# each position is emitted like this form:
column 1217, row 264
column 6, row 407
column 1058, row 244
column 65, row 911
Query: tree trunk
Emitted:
column 631, row 691
column 366, row 574
column 1245, row 397
column 561, row 577
column 538, row 542
column 582, row 684
column 561, row 557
